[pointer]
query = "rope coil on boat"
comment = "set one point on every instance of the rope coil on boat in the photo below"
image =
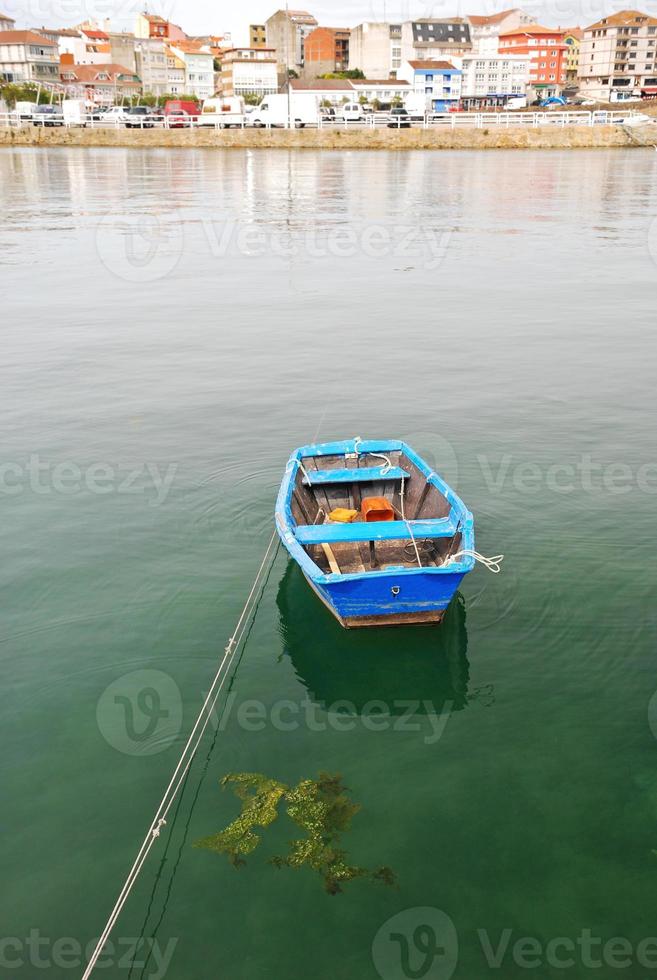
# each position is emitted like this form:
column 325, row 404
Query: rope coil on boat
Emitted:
column 493, row 564
column 385, row 469
column 189, row 751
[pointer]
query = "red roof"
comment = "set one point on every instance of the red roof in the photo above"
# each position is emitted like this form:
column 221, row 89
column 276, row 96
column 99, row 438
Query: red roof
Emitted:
column 89, row 73
column 624, row 18
column 320, row 85
column 25, row 37
column 96, row 35
column 437, row 65
column 530, row 29
column 478, row 21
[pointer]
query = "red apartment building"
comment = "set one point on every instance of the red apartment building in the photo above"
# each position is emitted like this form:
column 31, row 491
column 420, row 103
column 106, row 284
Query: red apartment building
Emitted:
column 326, row 50
column 548, row 55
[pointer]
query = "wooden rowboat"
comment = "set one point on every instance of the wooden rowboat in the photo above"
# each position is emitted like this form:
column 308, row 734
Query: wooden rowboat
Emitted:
column 379, row 536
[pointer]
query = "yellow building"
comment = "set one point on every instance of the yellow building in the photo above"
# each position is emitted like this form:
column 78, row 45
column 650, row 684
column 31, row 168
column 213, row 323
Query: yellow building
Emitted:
column 572, row 38
column 257, row 36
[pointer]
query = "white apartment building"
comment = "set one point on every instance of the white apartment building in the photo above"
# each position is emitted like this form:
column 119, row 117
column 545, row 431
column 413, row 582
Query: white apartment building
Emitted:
column 28, row 57
column 617, row 57
column 380, row 49
column 199, row 68
column 485, row 30
column 490, row 80
column 86, row 46
column 376, row 48
column 175, row 73
column 433, row 40
column 151, row 64
column 249, row 71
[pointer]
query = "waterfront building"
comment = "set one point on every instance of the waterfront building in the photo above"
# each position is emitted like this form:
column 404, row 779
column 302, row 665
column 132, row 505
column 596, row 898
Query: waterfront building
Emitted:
column 86, row 45
column 573, row 38
column 199, row 67
column 249, row 71
column 493, row 80
column 175, row 73
column 326, row 50
column 434, row 40
column 257, row 36
column 436, row 85
column 383, row 91
column 151, row 65
column 122, row 49
column 485, row 30
column 154, row 26
column 100, row 84
column 333, row 90
column 28, row 57
column 7, row 23
column 617, row 57
column 546, row 49
column 286, row 32
column 380, row 49
column 375, row 48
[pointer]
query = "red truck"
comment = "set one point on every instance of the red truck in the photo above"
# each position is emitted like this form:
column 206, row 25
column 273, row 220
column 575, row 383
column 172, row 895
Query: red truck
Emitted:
column 179, row 113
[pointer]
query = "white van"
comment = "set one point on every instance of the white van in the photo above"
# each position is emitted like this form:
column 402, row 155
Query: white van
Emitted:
column 352, row 112
column 223, row 112
column 75, row 112
column 272, row 111
column 24, row 110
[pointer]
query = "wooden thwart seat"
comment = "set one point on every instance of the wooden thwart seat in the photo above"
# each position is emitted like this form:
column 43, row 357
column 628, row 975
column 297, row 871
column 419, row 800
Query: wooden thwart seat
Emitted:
column 364, row 474
column 374, row 531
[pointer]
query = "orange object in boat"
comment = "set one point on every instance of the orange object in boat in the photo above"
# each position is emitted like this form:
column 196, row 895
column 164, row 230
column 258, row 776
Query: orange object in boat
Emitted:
column 377, row 509
column 341, row 515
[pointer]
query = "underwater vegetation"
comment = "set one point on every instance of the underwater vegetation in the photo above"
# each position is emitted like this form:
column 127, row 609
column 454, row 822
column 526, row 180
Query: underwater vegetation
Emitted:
column 321, row 808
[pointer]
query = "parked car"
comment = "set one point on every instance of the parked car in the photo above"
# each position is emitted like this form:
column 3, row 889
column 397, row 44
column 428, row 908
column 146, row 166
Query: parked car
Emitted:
column 47, row 115
column 399, row 119
column 99, row 113
column 178, row 119
column 328, row 114
column 115, row 114
column 139, row 117
column 352, row 112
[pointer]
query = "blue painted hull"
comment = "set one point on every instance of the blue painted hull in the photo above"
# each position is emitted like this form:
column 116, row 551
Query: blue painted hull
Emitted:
column 422, row 597
column 393, row 595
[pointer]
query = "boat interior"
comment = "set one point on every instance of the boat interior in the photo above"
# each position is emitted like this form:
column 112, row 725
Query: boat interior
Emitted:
column 365, row 512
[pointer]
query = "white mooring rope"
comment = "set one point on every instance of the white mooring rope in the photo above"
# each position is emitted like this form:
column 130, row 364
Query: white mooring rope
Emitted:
column 184, row 762
column 492, row 564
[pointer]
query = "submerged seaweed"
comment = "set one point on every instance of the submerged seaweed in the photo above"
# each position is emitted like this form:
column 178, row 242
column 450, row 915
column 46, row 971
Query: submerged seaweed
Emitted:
column 321, row 808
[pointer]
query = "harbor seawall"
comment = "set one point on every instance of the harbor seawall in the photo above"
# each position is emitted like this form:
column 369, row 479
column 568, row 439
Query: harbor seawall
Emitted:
column 520, row 138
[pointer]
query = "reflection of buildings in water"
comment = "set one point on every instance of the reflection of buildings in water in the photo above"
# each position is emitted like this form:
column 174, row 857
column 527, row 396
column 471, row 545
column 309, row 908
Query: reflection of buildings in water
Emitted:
column 395, row 665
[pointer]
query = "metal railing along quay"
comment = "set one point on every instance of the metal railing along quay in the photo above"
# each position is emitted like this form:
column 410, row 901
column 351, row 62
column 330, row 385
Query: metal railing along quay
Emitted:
column 376, row 120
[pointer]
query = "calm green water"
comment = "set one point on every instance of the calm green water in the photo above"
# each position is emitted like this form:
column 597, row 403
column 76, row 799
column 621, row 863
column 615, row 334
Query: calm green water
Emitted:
column 173, row 323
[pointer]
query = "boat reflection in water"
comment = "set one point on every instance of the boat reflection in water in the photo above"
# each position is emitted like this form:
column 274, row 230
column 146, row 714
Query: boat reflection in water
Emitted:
column 351, row 669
